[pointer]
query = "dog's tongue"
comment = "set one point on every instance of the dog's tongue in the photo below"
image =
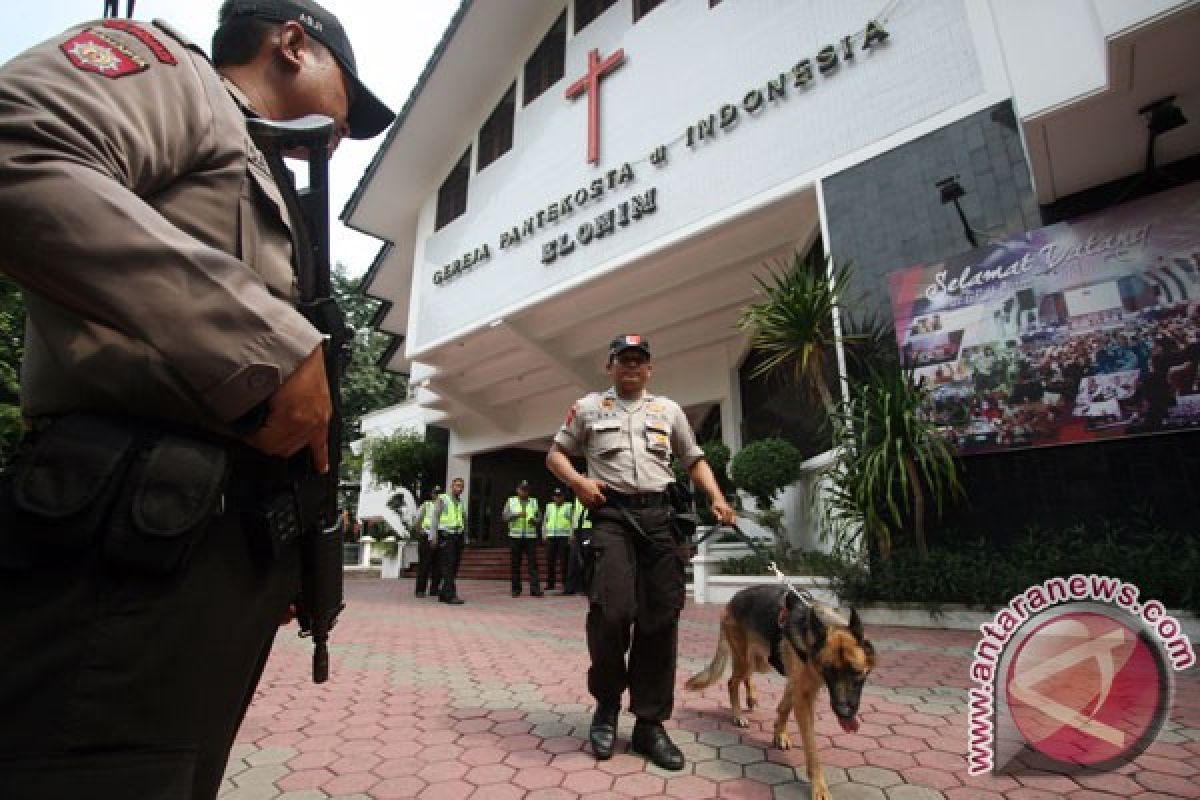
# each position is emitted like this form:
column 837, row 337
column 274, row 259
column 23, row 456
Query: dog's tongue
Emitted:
column 849, row 724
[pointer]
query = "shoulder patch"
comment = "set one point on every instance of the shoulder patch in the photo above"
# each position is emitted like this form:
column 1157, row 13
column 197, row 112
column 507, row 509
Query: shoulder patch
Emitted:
column 147, row 38
column 91, row 51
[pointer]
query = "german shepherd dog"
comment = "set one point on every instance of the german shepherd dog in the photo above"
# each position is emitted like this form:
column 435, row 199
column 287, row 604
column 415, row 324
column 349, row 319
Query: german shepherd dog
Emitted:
column 770, row 626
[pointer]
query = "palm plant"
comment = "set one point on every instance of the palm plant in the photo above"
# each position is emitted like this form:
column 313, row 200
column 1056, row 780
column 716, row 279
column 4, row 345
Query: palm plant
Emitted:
column 793, row 328
column 890, row 458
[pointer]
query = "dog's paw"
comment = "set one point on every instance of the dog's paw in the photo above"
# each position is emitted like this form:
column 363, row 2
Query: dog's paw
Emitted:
column 783, row 742
column 821, row 792
column 741, row 722
column 751, row 703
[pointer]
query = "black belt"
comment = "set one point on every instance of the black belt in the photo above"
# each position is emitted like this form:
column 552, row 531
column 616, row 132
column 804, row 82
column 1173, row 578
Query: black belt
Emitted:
column 639, row 500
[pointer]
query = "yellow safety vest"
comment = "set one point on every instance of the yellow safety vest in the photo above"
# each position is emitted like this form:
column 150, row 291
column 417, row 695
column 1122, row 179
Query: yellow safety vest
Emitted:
column 522, row 526
column 583, row 518
column 452, row 515
column 558, row 520
column 427, row 516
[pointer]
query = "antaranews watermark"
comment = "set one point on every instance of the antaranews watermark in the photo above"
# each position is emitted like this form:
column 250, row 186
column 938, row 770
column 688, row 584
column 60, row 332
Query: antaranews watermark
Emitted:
column 1086, row 683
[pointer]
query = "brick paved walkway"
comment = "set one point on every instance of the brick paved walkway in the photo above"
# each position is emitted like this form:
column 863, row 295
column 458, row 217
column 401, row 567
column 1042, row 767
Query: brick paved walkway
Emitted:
column 487, row 701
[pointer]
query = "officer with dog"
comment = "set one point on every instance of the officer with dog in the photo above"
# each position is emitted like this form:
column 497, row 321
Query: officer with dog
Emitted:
column 146, row 554
column 628, row 438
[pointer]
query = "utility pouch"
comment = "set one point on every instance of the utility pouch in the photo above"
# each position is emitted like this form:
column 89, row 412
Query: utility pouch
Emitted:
column 176, row 486
column 55, row 499
column 273, row 525
column 683, row 518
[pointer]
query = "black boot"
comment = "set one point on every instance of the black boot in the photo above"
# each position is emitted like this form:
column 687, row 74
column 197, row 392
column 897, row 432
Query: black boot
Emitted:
column 651, row 740
column 603, row 734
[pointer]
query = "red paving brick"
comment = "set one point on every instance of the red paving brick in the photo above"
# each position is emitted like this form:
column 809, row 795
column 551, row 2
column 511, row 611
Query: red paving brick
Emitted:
column 487, row 701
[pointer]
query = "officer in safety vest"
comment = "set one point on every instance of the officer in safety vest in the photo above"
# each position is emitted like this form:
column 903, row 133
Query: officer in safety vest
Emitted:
column 521, row 514
column 556, row 530
column 581, row 528
column 449, row 532
column 628, row 439
column 428, row 571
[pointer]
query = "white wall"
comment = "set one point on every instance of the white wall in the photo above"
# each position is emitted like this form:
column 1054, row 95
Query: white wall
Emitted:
column 678, row 70
column 1057, row 52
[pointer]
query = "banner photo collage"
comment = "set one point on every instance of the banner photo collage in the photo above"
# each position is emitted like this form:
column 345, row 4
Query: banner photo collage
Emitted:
column 1083, row 330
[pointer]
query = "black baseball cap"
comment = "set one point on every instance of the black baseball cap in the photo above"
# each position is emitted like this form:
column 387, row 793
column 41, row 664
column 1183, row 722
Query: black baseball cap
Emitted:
column 628, row 341
column 368, row 115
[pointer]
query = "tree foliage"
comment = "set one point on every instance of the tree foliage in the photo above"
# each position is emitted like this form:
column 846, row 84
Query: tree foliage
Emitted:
column 793, row 328
column 764, row 467
column 366, row 386
column 403, row 458
column 890, row 459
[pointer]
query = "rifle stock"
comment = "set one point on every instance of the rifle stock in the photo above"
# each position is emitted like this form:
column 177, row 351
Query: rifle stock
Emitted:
column 321, row 590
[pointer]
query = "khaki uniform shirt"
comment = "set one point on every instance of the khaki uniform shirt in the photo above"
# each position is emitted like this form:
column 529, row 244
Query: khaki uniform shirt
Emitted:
column 629, row 450
column 152, row 244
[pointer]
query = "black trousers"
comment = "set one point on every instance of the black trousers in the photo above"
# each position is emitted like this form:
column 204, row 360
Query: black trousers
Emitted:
column 527, row 549
column 636, row 596
column 429, row 572
column 557, row 550
column 449, row 555
column 117, row 684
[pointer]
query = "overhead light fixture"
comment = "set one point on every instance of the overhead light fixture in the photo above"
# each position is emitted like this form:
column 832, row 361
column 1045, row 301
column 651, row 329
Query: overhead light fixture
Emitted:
column 1165, row 115
column 951, row 191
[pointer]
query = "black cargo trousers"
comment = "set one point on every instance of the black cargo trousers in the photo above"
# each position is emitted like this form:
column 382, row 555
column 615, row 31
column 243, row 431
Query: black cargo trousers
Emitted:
column 637, row 593
column 132, row 633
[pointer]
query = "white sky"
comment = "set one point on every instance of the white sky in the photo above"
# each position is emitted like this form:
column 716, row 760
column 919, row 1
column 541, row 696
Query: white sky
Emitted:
column 392, row 40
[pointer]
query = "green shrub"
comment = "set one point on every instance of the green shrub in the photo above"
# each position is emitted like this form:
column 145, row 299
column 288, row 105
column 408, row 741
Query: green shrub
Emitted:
column 1164, row 564
column 764, row 467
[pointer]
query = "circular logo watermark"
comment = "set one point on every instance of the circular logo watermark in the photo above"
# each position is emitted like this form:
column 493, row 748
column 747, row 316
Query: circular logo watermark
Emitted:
column 1085, row 688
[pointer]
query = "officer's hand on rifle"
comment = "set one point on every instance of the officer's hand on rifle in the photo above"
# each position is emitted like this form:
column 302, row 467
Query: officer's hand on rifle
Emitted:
column 298, row 415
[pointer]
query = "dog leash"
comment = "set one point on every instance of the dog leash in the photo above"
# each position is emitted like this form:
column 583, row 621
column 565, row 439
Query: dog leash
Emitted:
column 805, row 596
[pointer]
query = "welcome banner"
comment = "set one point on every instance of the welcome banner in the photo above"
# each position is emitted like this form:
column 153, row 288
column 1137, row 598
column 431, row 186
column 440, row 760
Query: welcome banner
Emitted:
column 1083, row 330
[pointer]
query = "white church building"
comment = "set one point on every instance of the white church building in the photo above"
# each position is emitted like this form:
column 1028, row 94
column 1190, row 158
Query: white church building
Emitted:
column 567, row 170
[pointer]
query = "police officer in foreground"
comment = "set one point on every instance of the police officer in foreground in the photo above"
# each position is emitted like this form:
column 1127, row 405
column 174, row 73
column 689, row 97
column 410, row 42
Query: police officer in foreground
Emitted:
column 628, row 438
column 167, row 375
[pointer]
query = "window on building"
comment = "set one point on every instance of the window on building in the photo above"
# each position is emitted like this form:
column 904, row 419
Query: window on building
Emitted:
column 643, row 7
column 588, row 10
column 545, row 67
column 496, row 135
column 452, row 197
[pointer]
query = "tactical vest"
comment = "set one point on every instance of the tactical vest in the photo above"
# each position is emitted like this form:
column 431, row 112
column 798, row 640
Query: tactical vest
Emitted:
column 558, row 520
column 427, row 516
column 522, row 526
column 452, row 515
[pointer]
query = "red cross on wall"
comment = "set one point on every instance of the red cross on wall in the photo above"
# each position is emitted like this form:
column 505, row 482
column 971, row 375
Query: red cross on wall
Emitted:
column 590, row 83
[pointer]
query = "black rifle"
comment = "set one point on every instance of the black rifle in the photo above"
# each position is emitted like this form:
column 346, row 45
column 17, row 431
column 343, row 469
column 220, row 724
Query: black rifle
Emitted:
column 321, row 598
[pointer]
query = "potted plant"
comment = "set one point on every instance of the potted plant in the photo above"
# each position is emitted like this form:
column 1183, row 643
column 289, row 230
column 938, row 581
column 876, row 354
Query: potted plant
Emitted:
column 388, row 547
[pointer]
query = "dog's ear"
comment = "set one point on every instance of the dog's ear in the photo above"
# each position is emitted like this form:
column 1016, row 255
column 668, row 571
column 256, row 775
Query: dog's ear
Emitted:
column 815, row 627
column 790, row 599
column 856, row 626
